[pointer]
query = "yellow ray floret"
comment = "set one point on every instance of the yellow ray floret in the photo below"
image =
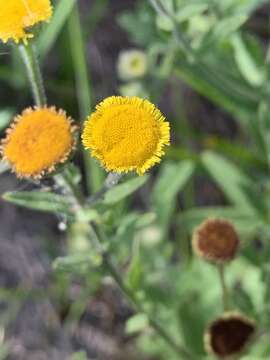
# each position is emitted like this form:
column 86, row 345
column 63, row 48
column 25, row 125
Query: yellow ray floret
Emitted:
column 37, row 141
column 16, row 16
column 126, row 134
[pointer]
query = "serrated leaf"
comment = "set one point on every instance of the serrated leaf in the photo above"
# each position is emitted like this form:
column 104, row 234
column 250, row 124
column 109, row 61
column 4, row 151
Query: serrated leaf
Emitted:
column 171, row 180
column 41, row 201
column 123, row 190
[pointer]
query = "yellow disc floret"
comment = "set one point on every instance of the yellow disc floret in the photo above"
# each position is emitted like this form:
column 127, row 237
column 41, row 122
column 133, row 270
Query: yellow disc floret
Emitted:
column 126, row 134
column 37, row 141
column 16, row 16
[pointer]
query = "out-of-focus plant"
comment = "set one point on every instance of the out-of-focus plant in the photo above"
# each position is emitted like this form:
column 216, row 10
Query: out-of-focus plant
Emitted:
column 177, row 303
column 209, row 46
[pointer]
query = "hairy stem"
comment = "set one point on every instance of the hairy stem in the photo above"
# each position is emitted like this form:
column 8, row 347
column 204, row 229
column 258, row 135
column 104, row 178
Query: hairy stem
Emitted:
column 34, row 74
column 35, row 79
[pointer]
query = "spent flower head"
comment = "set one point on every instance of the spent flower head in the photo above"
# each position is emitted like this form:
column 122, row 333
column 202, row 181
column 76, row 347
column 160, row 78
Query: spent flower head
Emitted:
column 17, row 16
column 131, row 64
column 37, row 141
column 215, row 240
column 126, row 134
column 229, row 335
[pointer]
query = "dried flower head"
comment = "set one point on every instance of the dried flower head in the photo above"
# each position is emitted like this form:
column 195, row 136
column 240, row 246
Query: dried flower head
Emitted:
column 126, row 134
column 216, row 240
column 131, row 64
column 37, row 141
column 229, row 334
column 16, row 16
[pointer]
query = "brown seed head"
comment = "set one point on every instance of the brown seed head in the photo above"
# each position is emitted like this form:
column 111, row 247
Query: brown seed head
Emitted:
column 228, row 335
column 215, row 240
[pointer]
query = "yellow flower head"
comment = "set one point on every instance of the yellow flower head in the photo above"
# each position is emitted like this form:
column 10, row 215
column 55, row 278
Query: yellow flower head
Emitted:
column 126, row 134
column 16, row 16
column 37, row 141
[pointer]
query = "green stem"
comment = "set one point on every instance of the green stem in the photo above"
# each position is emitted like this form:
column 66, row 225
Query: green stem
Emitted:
column 179, row 349
column 221, row 271
column 131, row 296
column 94, row 174
column 35, row 78
column 34, row 74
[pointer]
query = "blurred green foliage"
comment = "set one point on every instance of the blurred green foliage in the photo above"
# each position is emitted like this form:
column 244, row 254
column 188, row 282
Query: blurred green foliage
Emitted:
column 209, row 46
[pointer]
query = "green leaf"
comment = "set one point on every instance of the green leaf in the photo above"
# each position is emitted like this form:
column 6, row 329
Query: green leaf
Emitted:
column 246, row 64
column 241, row 6
column 72, row 174
column 244, row 221
column 191, row 9
column 139, row 24
column 123, row 190
column 222, row 30
column 172, row 179
column 42, row 201
column 192, row 321
column 136, row 323
column 50, row 34
column 232, row 181
column 77, row 263
column 220, row 88
column 135, row 272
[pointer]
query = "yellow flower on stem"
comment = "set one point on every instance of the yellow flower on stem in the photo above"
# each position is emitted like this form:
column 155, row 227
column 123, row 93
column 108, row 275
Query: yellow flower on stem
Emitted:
column 16, row 16
column 37, row 141
column 126, row 134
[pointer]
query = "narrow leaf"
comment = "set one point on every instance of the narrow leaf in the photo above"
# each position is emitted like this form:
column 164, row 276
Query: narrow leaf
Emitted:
column 42, row 201
column 172, row 179
column 51, row 32
column 123, row 190
column 232, row 181
column 246, row 64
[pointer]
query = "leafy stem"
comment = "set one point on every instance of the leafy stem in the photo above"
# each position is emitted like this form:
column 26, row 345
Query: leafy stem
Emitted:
column 35, row 78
